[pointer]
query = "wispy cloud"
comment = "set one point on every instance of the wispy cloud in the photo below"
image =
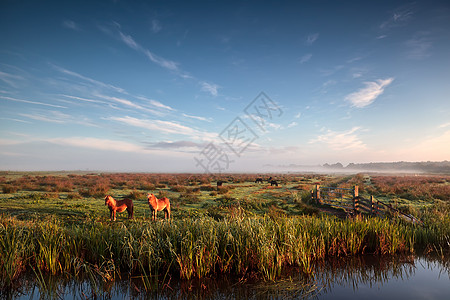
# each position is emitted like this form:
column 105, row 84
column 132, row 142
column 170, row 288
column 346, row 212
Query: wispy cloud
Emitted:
column 444, row 125
column 71, row 25
column 369, row 93
column 162, row 62
column 210, row 88
column 419, row 46
column 157, row 125
column 305, row 58
column 99, row 144
column 311, row 39
column 346, row 140
column 398, row 17
column 49, row 116
column 156, row 26
column 170, row 65
column 178, row 145
column 57, row 117
column 293, row 124
column 10, row 79
column 109, row 92
column 31, row 102
column 90, row 80
column 197, row 118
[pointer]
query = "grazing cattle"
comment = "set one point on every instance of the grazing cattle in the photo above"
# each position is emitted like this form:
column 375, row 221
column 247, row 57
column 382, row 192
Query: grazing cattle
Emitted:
column 269, row 180
column 156, row 204
column 259, row 180
column 219, row 183
column 119, row 206
column 273, row 183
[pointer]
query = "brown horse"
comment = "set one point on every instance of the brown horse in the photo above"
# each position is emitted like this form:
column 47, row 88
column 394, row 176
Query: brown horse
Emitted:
column 156, row 204
column 119, row 206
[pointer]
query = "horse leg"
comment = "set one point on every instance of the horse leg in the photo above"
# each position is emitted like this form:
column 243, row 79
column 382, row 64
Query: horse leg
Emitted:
column 114, row 214
column 130, row 212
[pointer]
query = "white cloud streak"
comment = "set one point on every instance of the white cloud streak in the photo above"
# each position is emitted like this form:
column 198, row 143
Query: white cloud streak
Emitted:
column 419, row 46
column 30, row 102
column 164, row 63
column 312, row 38
column 71, row 25
column 305, row 58
column 369, row 93
column 157, row 125
column 197, row 118
column 210, row 88
column 340, row 141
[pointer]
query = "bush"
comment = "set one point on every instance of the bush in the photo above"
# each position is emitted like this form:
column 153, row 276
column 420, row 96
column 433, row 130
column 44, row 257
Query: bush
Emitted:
column 9, row 189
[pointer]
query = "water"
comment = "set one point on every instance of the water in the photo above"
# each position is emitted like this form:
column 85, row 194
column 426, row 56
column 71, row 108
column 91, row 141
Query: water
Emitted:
column 356, row 278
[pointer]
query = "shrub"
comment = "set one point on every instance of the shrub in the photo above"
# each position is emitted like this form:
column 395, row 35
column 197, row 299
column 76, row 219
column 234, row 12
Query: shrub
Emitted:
column 9, row 189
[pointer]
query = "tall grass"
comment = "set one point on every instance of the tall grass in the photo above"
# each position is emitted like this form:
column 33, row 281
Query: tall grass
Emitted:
column 196, row 248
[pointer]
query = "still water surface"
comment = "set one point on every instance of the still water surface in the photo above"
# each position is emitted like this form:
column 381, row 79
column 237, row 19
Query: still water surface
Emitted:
column 356, row 278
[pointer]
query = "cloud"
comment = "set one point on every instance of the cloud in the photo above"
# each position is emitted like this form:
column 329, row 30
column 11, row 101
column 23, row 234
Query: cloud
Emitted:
column 444, row 125
column 90, row 80
column 156, row 26
column 10, row 79
column 293, row 124
column 178, row 145
column 30, row 102
column 210, row 88
column 339, row 141
column 311, row 39
column 50, row 116
column 197, row 118
column 99, row 144
column 122, row 101
column 165, row 63
column 157, row 125
column 71, row 25
column 419, row 46
column 305, row 58
column 368, row 94
column 399, row 17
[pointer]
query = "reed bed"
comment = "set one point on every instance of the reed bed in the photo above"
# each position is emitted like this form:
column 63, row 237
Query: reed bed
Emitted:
column 197, row 248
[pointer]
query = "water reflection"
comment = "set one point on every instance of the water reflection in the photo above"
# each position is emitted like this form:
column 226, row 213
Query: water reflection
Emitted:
column 365, row 277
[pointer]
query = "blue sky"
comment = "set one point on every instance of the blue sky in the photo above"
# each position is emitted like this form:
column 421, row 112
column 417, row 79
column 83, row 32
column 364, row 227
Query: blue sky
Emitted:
column 209, row 86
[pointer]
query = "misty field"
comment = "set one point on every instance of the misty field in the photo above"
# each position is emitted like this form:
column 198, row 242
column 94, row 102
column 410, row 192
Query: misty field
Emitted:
column 58, row 224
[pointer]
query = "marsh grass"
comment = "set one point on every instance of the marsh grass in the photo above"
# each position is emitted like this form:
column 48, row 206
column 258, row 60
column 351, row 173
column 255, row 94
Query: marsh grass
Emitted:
column 198, row 248
column 242, row 229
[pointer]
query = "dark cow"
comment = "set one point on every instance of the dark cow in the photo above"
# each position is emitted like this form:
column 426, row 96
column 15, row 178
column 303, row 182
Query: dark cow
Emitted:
column 273, row 183
column 259, row 180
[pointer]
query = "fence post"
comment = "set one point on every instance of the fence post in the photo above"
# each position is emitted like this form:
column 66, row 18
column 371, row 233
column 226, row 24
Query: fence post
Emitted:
column 355, row 191
column 371, row 204
column 317, row 193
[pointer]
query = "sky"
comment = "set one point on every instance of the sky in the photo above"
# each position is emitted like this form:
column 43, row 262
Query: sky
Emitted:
column 222, row 86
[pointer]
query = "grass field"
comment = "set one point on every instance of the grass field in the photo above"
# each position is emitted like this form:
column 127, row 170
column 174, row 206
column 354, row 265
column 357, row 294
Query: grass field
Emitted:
column 57, row 223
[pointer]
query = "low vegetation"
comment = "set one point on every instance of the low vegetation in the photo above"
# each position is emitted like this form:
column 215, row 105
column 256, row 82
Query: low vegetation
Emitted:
column 57, row 224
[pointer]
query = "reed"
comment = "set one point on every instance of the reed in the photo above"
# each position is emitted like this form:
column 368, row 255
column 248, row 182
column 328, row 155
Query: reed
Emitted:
column 196, row 248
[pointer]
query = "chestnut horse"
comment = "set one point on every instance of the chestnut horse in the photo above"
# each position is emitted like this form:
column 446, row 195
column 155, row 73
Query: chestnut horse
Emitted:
column 119, row 206
column 156, row 204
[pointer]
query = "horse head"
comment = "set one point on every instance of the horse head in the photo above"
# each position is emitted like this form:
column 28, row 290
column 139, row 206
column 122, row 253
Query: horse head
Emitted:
column 107, row 199
column 151, row 199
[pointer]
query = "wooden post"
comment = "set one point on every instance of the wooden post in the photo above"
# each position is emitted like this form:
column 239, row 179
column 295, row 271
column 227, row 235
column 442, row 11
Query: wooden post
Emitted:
column 355, row 191
column 371, row 204
column 317, row 194
column 355, row 194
